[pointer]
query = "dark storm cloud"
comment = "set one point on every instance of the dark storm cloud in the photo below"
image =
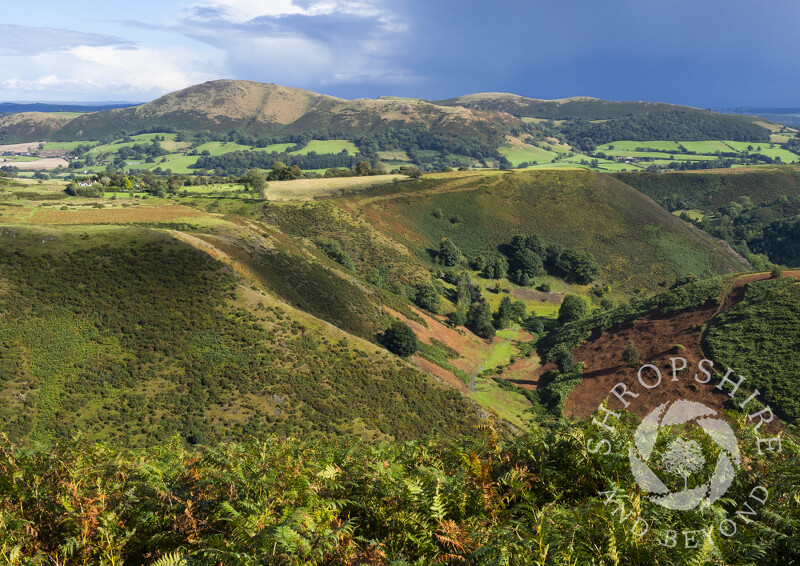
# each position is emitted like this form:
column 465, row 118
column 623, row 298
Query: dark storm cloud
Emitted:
column 696, row 52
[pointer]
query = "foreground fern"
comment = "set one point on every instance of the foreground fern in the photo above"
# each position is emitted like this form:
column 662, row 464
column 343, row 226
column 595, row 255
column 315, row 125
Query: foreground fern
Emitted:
column 532, row 500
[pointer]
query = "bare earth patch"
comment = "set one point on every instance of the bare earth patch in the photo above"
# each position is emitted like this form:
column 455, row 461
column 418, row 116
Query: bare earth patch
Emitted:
column 38, row 165
column 531, row 295
column 308, row 189
column 472, row 348
column 655, row 336
column 19, row 147
column 441, row 373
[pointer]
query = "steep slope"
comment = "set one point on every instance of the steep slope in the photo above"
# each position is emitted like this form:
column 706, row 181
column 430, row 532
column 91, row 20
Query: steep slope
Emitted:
column 30, row 126
column 749, row 324
column 638, row 244
column 132, row 334
column 216, row 106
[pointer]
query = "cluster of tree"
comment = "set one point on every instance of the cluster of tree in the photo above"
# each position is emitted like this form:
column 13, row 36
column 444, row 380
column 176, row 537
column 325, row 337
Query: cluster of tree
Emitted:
column 363, row 169
column 678, row 125
column 239, row 162
column 492, row 266
column 146, row 181
column 147, row 152
column 334, row 250
column 792, row 144
column 780, row 241
column 529, row 257
column 526, row 258
column 9, row 171
column 481, row 144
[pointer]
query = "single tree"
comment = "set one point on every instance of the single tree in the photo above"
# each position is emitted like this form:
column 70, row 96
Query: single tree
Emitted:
column 400, row 339
column 630, row 354
column 257, row 180
column 449, row 254
column 479, row 320
column 427, row 297
column 563, row 357
column 573, row 308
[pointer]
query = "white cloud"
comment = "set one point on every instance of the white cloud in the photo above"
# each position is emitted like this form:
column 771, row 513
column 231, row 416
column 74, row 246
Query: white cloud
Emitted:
column 93, row 73
column 25, row 40
column 240, row 11
column 302, row 42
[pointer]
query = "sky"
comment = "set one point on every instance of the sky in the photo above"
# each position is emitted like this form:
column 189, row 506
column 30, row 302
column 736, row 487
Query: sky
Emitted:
column 704, row 53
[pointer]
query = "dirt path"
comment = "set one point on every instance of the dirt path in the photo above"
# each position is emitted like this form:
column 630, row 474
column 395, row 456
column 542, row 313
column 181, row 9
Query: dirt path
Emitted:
column 483, row 365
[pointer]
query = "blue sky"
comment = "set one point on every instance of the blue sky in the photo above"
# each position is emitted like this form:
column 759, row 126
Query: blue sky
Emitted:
column 707, row 53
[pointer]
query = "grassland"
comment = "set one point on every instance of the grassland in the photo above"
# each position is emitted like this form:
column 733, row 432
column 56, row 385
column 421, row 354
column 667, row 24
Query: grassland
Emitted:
column 328, row 146
column 308, row 189
column 62, row 146
column 576, row 209
column 527, row 153
column 706, row 150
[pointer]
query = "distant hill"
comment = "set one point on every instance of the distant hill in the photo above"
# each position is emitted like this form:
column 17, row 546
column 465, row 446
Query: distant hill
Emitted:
column 481, row 122
column 257, row 108
column 15, row 108
column 583, row 107
column 787, row 116
column 31, row 126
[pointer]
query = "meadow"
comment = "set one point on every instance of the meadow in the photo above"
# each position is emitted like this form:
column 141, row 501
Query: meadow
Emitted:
column 527, row 153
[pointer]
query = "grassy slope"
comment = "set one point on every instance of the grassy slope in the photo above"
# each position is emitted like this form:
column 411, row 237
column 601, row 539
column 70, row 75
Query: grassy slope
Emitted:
column 637, row 243
column 717, row 188
column 30, row 126
column 202, row 354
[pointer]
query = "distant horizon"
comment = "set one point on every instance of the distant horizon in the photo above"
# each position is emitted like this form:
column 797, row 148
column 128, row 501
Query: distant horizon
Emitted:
column 690, row 53
column 89, row 102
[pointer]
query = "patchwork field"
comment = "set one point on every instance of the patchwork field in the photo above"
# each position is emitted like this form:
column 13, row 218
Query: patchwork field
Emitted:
column 527, row 153
column 307, row 189
column 135, row 214
column 328, row 146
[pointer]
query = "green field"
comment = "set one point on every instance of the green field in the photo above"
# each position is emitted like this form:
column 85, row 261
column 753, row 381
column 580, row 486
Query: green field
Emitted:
column 706, row 146
column 661, row 155
column 628, row 148
column 19, row 158
column 529, row 153
column 221, row 148
column 329, row 146
column 397, row 155
column 786, row 156
column 627, row 145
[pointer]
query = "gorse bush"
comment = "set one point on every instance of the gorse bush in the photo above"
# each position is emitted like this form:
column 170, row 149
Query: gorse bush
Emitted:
column 136, row 338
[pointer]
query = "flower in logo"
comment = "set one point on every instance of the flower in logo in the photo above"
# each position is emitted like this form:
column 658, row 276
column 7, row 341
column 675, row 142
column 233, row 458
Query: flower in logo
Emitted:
column 683, row 457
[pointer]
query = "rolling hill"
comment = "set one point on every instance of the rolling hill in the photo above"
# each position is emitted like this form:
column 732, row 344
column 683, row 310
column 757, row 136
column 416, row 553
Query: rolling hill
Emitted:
column 263, row 110
column 582, row 107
